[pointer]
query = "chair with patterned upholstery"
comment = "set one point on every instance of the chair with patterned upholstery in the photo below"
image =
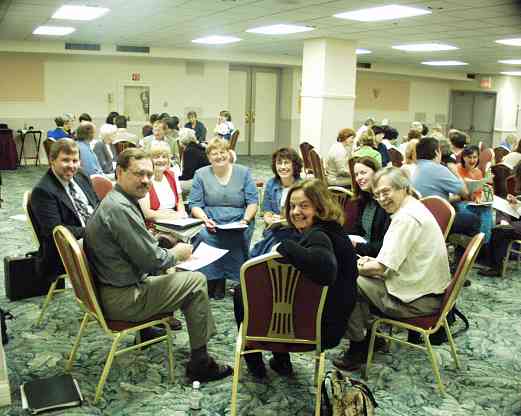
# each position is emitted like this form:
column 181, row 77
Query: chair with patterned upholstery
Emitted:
column 443, row 212
column 101, row 185
column 282, row 313
column 427, row 325
column 78, row 269
column 53, row 288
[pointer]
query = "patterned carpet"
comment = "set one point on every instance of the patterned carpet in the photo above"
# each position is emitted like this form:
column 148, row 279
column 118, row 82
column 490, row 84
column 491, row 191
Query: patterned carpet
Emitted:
column 403, row 383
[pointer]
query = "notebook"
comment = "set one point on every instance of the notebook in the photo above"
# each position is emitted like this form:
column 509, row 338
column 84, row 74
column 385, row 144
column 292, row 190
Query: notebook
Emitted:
column 180, row 223
column 50, row 393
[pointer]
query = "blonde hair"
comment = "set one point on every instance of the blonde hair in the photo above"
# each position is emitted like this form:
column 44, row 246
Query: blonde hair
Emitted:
column 217, row 143
column 327, row 207
column 158, row 149
column 368, row 138
column 410, row 151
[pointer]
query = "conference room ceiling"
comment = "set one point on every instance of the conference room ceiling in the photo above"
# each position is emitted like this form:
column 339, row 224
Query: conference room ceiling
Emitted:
column 471, row 25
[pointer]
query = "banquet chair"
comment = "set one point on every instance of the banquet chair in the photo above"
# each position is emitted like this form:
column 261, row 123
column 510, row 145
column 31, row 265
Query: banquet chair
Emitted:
column 341, row 195
column 78, row 269
column 60, row 280
column 282, row 313
column 501, row 172
column 47, row 143
column 317, row 166
column 486, row 157
column 396, row 157
column 443, row 212
column 427, row 325
column 122, row 145
column 101, row 185
column 233, row 139
column 305, row 147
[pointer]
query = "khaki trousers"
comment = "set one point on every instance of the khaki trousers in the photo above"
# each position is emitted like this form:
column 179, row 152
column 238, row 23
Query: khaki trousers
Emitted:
column 373, row 293
column 163, row 294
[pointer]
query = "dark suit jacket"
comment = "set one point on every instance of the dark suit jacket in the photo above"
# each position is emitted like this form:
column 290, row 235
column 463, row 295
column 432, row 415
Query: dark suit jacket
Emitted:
column 104, row 159
column 51, row 206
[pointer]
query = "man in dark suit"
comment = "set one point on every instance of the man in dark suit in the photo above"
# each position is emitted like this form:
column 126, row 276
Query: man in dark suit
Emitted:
column 63, row 196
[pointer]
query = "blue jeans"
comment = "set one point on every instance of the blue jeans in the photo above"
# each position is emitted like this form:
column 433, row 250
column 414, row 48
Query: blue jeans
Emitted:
column 466, row 222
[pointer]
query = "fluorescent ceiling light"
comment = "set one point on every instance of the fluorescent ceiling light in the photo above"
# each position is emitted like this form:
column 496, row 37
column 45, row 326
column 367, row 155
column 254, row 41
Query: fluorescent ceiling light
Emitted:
column 444, row 63
column 361, row 51
column 79, row 12
column 510, row 61
column 425, row 47
column 280, row 29
column 53, row 30
column 375, row 14
column 216, row 40
column 514, row 73
column 511, row 42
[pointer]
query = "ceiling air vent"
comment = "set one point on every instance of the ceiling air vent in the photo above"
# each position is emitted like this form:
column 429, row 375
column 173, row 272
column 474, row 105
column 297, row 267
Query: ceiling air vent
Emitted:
column 363, row 65
column 83, row 46
column 133, row 49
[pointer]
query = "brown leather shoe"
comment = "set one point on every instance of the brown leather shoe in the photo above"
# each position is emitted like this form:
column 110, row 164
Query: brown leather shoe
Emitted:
column 210, row 371
column 489, row 272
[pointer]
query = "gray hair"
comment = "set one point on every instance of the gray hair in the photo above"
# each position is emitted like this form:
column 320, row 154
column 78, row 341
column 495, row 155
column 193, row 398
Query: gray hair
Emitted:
column 187, row 136
column 398, row 177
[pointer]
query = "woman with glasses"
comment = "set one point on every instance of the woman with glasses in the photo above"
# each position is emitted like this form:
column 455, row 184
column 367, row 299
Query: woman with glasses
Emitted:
column 409, row 275
column 372, row 221
column 224, row 193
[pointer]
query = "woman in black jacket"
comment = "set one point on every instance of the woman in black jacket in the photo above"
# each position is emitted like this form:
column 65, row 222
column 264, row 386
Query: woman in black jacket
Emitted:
column 194, row 157
column 373, row 221
column 324, row 255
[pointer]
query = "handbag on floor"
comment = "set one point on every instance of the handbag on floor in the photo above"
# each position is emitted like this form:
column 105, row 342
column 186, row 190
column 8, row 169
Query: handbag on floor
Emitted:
column 344, row 396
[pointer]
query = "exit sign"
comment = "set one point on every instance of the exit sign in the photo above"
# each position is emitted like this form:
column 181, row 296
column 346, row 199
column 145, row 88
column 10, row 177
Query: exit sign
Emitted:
column 136, row 76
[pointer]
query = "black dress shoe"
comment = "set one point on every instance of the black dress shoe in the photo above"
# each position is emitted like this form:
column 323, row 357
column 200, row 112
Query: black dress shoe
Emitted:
column 220, row 288
column 281, row 364
column 490, row 272
column 209, row 371
column 149, row 333
column 255, row 365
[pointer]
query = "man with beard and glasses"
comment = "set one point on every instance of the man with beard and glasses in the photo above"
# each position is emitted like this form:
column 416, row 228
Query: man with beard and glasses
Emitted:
column 134, row 275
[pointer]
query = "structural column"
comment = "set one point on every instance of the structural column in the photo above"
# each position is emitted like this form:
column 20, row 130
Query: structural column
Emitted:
column 328, row 90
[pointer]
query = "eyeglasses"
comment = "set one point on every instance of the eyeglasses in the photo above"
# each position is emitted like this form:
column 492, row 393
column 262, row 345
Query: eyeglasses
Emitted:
column 383, row 193
column 142, row 173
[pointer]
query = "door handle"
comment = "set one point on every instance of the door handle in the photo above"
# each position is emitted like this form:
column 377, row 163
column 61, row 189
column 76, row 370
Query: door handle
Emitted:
column 252, row 117
column 246, row 117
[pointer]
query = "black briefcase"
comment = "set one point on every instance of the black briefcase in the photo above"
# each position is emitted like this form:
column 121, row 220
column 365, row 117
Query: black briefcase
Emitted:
column 22, row 279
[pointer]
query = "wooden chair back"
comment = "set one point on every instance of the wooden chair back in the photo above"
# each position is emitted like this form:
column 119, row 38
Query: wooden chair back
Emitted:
column 317, row 166
column 501, row 172
column 122, row 145
column 341, row 195
column 233, row 139
column 305, row 148
column 396, row 157
column 499, row 153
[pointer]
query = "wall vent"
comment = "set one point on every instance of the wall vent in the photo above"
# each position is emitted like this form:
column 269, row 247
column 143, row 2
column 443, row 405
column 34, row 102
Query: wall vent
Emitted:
column 363, row 65
column 471, row 76
column 133, row 49
column 83, row 46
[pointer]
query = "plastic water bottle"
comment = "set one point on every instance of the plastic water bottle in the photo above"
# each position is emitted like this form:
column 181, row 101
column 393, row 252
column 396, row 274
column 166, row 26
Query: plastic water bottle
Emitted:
column 196, row 396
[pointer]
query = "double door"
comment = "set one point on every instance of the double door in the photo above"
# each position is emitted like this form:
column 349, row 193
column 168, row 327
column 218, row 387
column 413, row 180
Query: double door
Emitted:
column 474, row 113
column 254, row 105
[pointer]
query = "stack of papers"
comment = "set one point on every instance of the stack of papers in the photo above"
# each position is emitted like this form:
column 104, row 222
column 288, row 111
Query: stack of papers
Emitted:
column 179, row 223
column 237, row 225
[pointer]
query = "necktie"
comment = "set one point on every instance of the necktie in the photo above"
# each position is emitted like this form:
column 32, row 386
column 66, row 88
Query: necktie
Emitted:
column 82, row 207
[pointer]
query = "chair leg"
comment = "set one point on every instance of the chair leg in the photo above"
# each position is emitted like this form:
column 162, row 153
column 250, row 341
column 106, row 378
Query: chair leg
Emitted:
column 319, row 376
column 170, row 351
column 236, row 373
column 83, row 326
column 47, row 300
column 370, row 353
column 451, row 344
column 434, row 362
column 507, row 259
column 108, row 365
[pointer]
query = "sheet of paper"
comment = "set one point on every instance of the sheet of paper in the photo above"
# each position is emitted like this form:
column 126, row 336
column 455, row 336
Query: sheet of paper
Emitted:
column 502, row 205
column 232, row 226
column 357, row 239
column 475, row 185
column 202, row 256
